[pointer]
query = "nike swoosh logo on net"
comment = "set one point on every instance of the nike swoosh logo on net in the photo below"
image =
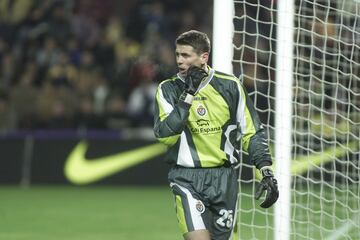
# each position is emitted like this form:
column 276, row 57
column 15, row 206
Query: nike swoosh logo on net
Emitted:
column 302, row 163
column 80, row 170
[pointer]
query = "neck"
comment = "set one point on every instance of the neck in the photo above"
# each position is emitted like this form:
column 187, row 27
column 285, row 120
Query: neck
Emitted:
column 205, row 67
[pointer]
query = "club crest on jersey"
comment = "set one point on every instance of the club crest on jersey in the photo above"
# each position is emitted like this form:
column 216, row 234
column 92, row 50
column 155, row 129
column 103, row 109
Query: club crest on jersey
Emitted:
column 200, row 206
column 201, row 110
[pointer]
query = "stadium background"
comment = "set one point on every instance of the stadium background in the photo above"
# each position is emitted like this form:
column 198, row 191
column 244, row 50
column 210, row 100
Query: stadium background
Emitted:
column 88, row 70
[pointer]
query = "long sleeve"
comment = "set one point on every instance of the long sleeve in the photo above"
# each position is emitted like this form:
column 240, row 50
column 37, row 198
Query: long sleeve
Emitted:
column 254, row 140
column 171, row 114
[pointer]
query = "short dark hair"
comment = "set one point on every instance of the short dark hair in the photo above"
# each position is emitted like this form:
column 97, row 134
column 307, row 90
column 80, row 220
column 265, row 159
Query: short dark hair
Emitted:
column 198, row 40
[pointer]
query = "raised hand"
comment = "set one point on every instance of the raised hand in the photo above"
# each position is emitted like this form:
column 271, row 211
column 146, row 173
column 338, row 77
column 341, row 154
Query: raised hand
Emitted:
column 193, row 79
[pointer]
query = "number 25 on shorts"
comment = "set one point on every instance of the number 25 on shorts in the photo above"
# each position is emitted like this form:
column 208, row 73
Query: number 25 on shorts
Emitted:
column 226, row 218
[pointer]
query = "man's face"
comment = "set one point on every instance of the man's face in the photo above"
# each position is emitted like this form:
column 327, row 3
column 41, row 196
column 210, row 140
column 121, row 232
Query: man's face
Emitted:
column 186, row 57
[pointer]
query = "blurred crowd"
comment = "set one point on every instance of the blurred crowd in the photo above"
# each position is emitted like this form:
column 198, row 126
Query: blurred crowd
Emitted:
column 88, row 63
column 84, row 64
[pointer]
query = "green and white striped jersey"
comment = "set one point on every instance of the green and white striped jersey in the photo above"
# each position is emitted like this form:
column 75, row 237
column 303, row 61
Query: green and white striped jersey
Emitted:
column 207, row 132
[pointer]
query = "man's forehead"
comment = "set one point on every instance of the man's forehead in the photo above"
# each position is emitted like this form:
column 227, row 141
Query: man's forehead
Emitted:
column 184, row 48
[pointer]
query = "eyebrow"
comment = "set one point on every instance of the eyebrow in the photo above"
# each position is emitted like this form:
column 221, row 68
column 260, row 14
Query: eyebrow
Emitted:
column 181, row 53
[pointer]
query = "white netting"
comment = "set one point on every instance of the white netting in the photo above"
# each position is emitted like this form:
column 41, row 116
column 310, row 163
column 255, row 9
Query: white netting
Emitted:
column 325, row 187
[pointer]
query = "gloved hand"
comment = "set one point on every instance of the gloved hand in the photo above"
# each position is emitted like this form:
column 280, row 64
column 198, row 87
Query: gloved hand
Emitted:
column 193, row 79
column 268, row 184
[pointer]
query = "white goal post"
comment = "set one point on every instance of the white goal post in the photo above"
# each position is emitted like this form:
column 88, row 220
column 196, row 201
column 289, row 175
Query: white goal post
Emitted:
column 300, row 62
column 283, row 116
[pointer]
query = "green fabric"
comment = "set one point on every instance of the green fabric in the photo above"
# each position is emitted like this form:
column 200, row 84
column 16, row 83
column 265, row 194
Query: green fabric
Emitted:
column 208, row 128
column 204, row 123
column 180, row 214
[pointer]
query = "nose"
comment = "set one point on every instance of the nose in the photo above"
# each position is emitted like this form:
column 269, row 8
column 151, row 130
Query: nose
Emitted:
column 179, row 60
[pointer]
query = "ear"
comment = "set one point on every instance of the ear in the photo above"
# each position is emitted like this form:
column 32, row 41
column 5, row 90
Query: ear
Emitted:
column 204, row 57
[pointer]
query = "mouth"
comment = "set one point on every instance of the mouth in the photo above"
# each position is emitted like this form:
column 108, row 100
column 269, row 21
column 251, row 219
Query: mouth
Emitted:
column 182, row 70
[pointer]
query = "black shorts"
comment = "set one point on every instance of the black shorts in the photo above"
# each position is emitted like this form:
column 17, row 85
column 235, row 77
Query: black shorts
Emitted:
column 205, row 198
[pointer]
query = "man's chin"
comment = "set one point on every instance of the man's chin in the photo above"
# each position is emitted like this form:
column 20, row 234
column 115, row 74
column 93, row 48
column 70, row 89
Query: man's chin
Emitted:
column 182, row 74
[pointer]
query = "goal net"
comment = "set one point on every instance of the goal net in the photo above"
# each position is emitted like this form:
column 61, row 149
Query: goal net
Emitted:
column 325, row 169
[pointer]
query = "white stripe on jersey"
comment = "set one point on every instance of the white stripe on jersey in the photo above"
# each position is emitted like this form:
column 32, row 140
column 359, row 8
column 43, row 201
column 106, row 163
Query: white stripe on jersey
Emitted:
column 229, row 148
column 184, row 155
column 240, row 113
column 165, row 104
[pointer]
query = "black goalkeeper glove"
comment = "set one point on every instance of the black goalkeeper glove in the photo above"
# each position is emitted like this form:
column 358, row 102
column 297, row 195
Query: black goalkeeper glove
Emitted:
column 193, row 79
column 268, row 184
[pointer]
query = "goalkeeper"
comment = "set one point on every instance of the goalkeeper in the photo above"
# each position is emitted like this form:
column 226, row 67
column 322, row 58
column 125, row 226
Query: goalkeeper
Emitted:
column 202, row 114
